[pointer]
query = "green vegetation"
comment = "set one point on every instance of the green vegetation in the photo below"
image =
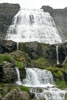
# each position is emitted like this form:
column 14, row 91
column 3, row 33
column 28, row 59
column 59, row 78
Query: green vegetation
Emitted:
column 42, row 62
column 19, row 64
column 23, row 88
column 65, row 98
column 5, row 57
column 59, row 74
column 61, row 84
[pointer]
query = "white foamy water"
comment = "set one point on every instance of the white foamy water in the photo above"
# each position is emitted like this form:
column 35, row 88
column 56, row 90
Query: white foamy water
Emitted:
column 41, row 83
column 48, row 93
column 38, row 78
column 57, row 53
column 33, row 25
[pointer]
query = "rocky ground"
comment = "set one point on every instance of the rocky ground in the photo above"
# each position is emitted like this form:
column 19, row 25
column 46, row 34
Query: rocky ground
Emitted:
column 34, row 55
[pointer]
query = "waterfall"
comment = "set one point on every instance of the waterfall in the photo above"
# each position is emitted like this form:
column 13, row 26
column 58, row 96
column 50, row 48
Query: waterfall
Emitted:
column 57, row 54
column 33, row 25
column 38, row 78
column 17, row 45
column 42, row 85
column 49, row 93
column 18, row 77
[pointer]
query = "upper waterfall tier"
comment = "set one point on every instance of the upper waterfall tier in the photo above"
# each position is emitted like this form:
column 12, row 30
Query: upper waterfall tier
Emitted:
column 33, row 25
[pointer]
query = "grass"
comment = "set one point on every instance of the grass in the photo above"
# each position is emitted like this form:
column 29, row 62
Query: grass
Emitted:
column 61, row 84
column 19, row 64
column 42, row 62
column 23, row 88
column 5, row 57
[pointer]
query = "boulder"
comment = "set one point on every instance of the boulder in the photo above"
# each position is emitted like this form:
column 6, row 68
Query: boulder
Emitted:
column 17, row 94
column 9, row 72
column 7, row 46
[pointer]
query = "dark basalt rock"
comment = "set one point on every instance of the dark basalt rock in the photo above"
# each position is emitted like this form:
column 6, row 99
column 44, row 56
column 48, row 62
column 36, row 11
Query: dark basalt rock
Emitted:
column 7, row 12
column 22, row 73
column 7, row 46
column 36, row 50
column 1, row 73
column 9, row 72
column 60, row 18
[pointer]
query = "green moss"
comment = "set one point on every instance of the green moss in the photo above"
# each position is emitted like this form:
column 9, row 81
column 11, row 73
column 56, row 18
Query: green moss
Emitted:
column 19, row 64
column 65, row 98
column 19, row 56
column 59, row 73
column 23, row 88
column 42, row 62
column 5, row 57
column 51, row 69
column 65, row 66
column 61, row 84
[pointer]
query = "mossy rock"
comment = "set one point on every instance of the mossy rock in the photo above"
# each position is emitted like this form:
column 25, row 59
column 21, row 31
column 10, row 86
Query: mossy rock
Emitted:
column 41, row 62
column 6, row 88
column 20, row 56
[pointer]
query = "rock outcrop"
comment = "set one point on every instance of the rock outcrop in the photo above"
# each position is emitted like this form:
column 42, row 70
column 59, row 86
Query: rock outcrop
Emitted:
column 7, row 12
column 36, row 50
column 9, row 72
column 60, row 18
column 17, row 94
column 7, row 46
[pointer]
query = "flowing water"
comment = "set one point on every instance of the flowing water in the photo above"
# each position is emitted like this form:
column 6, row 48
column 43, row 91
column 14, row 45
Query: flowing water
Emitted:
column 33, row 25
column 36, row 25
column 57, row 53
column 41, row 83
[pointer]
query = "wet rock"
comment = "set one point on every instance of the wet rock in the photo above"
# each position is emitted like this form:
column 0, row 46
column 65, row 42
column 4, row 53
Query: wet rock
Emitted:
column 33, row 49
column 10, row 75
column 22, row 73
column 1, row 73
column 17, row 94
column 9, row 72
column 7, row 46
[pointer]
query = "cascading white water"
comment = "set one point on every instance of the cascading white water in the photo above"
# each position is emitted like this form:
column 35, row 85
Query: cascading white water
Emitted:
column 18, row 77
column 57, row 54
column 49, row 93
column 42, row 85
column 38, row 78
column 33, row 25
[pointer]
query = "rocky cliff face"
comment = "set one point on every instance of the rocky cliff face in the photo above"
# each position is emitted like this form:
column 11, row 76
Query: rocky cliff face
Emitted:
column 60, row 18
column 7, row 12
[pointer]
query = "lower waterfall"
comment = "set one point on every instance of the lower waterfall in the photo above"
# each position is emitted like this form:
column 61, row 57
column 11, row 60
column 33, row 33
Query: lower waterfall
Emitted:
column 41, row 83
column 38, row 78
